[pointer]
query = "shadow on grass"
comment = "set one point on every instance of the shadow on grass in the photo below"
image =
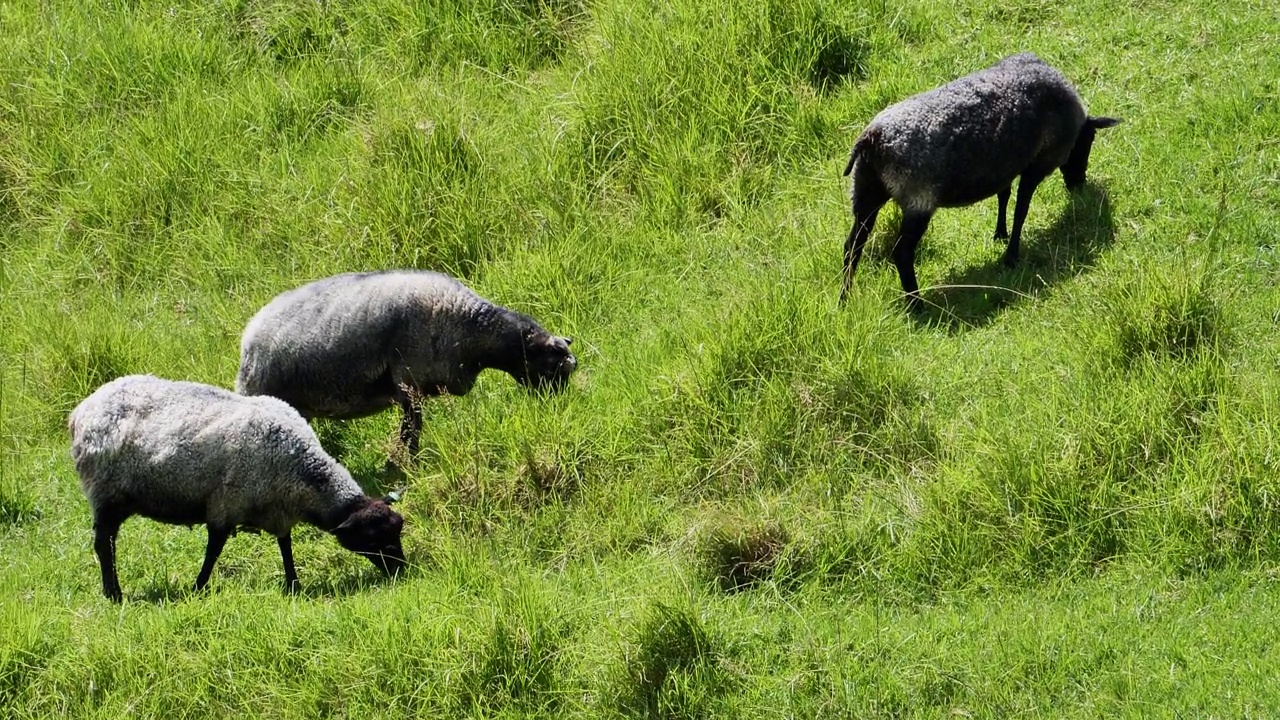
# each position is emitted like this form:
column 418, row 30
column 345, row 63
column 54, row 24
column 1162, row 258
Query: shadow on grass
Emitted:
column 317, row 588
column 352, row 583
column 380, row 481
column 972, row 297
column 165, row 593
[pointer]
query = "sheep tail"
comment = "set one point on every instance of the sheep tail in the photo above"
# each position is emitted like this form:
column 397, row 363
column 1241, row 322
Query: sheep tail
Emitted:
column 860, row 148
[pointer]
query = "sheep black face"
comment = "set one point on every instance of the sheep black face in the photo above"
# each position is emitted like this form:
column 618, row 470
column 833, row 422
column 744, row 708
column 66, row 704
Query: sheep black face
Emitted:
column 548, row 363
column 1073, row 171
column 373, row 531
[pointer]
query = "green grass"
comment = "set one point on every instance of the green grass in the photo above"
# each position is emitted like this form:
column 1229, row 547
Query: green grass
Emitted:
column 1053, row 493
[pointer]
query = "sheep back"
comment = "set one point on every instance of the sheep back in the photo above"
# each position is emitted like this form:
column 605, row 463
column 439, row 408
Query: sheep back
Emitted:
column 187, row 453
column 340, row 347
column 969, row 139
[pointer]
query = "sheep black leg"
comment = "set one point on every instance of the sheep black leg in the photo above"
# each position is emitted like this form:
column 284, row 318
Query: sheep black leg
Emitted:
column 914, row 224
column 1002, row 198
column 410, row 424
column 868, row 196
column 858, row 234
column 286, row 555
column 217, row 540
column 105, row 528
column 1026, row 188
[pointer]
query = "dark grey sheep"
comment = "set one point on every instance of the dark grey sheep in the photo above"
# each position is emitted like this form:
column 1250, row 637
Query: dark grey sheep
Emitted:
column 185, row 453
column 355, row 344
column 964, row 142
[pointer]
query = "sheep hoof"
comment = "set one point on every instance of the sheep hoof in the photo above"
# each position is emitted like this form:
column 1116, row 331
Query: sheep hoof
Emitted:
column 1009, row 259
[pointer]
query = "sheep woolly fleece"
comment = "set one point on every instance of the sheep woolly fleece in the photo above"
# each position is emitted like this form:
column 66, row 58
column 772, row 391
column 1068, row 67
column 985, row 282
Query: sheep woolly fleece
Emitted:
column 352, row 345
column 963, row 142
column 188, row 453
column 966, row 140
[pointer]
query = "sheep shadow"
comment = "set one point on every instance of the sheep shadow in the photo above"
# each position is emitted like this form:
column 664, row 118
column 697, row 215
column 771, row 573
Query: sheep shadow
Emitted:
column 164, row 593
column 316, row 581
column 167, row 592
column 350, row 584
column 973, row 297
column 379, row 481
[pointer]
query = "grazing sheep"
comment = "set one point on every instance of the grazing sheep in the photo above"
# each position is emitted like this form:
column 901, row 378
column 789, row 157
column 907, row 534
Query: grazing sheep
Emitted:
column 355, row 344
column 964, row 142
column 185, row 453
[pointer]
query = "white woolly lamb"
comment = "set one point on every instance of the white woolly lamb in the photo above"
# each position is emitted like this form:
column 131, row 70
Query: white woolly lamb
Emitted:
column 185, row 453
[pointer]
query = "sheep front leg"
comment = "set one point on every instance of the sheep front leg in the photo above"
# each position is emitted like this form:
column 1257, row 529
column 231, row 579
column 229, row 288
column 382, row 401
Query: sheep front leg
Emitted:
column 1002, row 199
column 217, row 540
column 285, row 542
column 105, row 528
column 1026, row 188
column 914, row 224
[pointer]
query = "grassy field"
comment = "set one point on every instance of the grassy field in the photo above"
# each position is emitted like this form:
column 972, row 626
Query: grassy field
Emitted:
column 1054, row 493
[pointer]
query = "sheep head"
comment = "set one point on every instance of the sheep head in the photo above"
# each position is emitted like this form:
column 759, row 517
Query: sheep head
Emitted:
column 1073, row 172
column 372, row 530
column 548, row 362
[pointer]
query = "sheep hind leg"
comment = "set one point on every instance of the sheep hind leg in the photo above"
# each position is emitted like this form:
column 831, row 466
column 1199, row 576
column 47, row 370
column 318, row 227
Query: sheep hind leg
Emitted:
column 105, row 528
column 217, row 540
column 1002, row 199
column 853, row 248
column 1026, row 188
column 869, row 195
column 914, row 224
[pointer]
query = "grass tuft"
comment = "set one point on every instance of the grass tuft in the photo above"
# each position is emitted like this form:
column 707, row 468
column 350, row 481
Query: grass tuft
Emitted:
column 691, row 128
column 28, row 643
column 287, row 33
column 318, row 103
column 546, row 478
column 17, row 504
column 738, row 556
column 11, row 187
column 1167, row 313
column 672, row 666
column 517, row 668
column 815, row 40
column 777, row 393
column 417, row 198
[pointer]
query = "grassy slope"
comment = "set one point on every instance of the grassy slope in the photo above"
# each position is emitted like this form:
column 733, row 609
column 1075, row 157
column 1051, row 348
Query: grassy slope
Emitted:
column 1053, row 495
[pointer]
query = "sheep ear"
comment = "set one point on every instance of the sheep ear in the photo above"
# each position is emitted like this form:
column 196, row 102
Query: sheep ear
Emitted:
column 1104, row 122
column 346, row 524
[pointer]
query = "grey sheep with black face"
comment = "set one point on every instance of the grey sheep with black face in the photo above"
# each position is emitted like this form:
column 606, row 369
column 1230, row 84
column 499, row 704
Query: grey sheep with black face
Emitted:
column 185, row 453
column 964, row 142
column 355, row 344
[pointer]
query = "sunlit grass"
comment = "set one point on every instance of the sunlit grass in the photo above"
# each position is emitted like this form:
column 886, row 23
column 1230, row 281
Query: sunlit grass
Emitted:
column 1052, row 493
